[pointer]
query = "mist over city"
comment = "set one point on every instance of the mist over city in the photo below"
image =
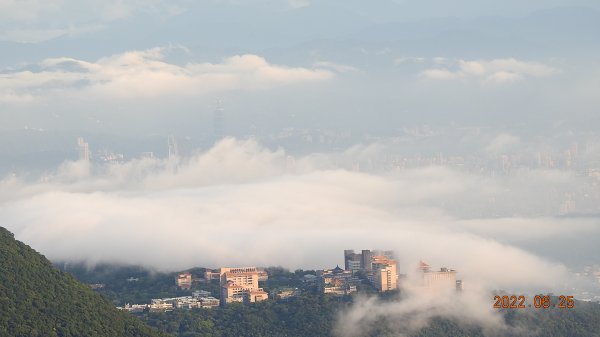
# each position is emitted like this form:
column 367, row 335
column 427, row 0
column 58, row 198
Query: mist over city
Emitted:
column 180, row 134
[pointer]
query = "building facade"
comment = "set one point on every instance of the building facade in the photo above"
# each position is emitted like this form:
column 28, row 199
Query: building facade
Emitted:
column 184, row 280
column 385, row 274
column 241, row 285
column 441, row 280
column 352, row 261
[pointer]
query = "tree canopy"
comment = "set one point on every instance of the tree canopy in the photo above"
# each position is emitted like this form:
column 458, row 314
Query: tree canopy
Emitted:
column 36, row 299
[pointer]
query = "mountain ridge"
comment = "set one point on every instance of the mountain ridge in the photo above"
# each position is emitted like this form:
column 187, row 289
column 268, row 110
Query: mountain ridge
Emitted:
column 37, row 299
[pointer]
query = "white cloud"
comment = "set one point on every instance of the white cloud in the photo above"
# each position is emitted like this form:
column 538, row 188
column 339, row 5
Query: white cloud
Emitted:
column 503, row 77
column 148, row 74
column 493, row 71
column 502, row 142
column 415, row 310
column 241, row 204
column 204, row 211
column 440, row 74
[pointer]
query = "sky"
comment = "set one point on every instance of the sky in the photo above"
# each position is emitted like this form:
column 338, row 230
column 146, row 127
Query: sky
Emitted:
column 96, row 67
column 484, row 80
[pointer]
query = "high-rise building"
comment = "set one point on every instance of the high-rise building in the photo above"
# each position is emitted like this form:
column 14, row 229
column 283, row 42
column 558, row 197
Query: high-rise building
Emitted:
column 84, row 149
column 352, row 261
column 385, row 273
column 241, row 285
column 366, row 260
column 386, row 277
column 459, row 285
column 444, row 279
column 173, row 149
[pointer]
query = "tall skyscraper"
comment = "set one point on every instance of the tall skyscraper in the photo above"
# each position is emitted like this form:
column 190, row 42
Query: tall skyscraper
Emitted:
column 173, row 150
column 352, row 261
column 84, row 149
column 386, row 276
column 385, row 271
column 366, row 260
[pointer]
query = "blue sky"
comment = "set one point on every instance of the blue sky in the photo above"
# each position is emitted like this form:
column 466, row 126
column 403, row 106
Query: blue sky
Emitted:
column 35, row 20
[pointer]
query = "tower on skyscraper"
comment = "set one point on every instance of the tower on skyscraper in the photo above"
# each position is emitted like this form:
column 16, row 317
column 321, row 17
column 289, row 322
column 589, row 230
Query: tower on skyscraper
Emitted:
column 218, row 129
column 84, row 149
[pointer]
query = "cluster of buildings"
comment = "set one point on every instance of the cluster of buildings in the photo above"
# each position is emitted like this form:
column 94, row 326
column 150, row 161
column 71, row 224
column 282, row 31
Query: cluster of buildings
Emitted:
column 337, row 281
column 235, row 284
column 378, row 267
column 381, row 270
column 199, row 299
column 241, row 284
column 285, row 293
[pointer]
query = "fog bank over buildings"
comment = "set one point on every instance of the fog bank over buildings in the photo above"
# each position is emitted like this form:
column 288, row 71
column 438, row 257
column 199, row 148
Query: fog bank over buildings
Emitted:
column 241, row 203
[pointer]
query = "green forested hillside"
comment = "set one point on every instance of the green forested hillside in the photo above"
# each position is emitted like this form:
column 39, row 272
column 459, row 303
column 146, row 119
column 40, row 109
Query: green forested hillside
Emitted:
column 312, row 314
column 316, row 315
column 38, row 300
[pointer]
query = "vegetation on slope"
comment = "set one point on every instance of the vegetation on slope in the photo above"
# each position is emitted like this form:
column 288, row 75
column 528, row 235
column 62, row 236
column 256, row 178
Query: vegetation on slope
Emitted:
column 38, row 300
column 310, row 314
column 316, row 315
